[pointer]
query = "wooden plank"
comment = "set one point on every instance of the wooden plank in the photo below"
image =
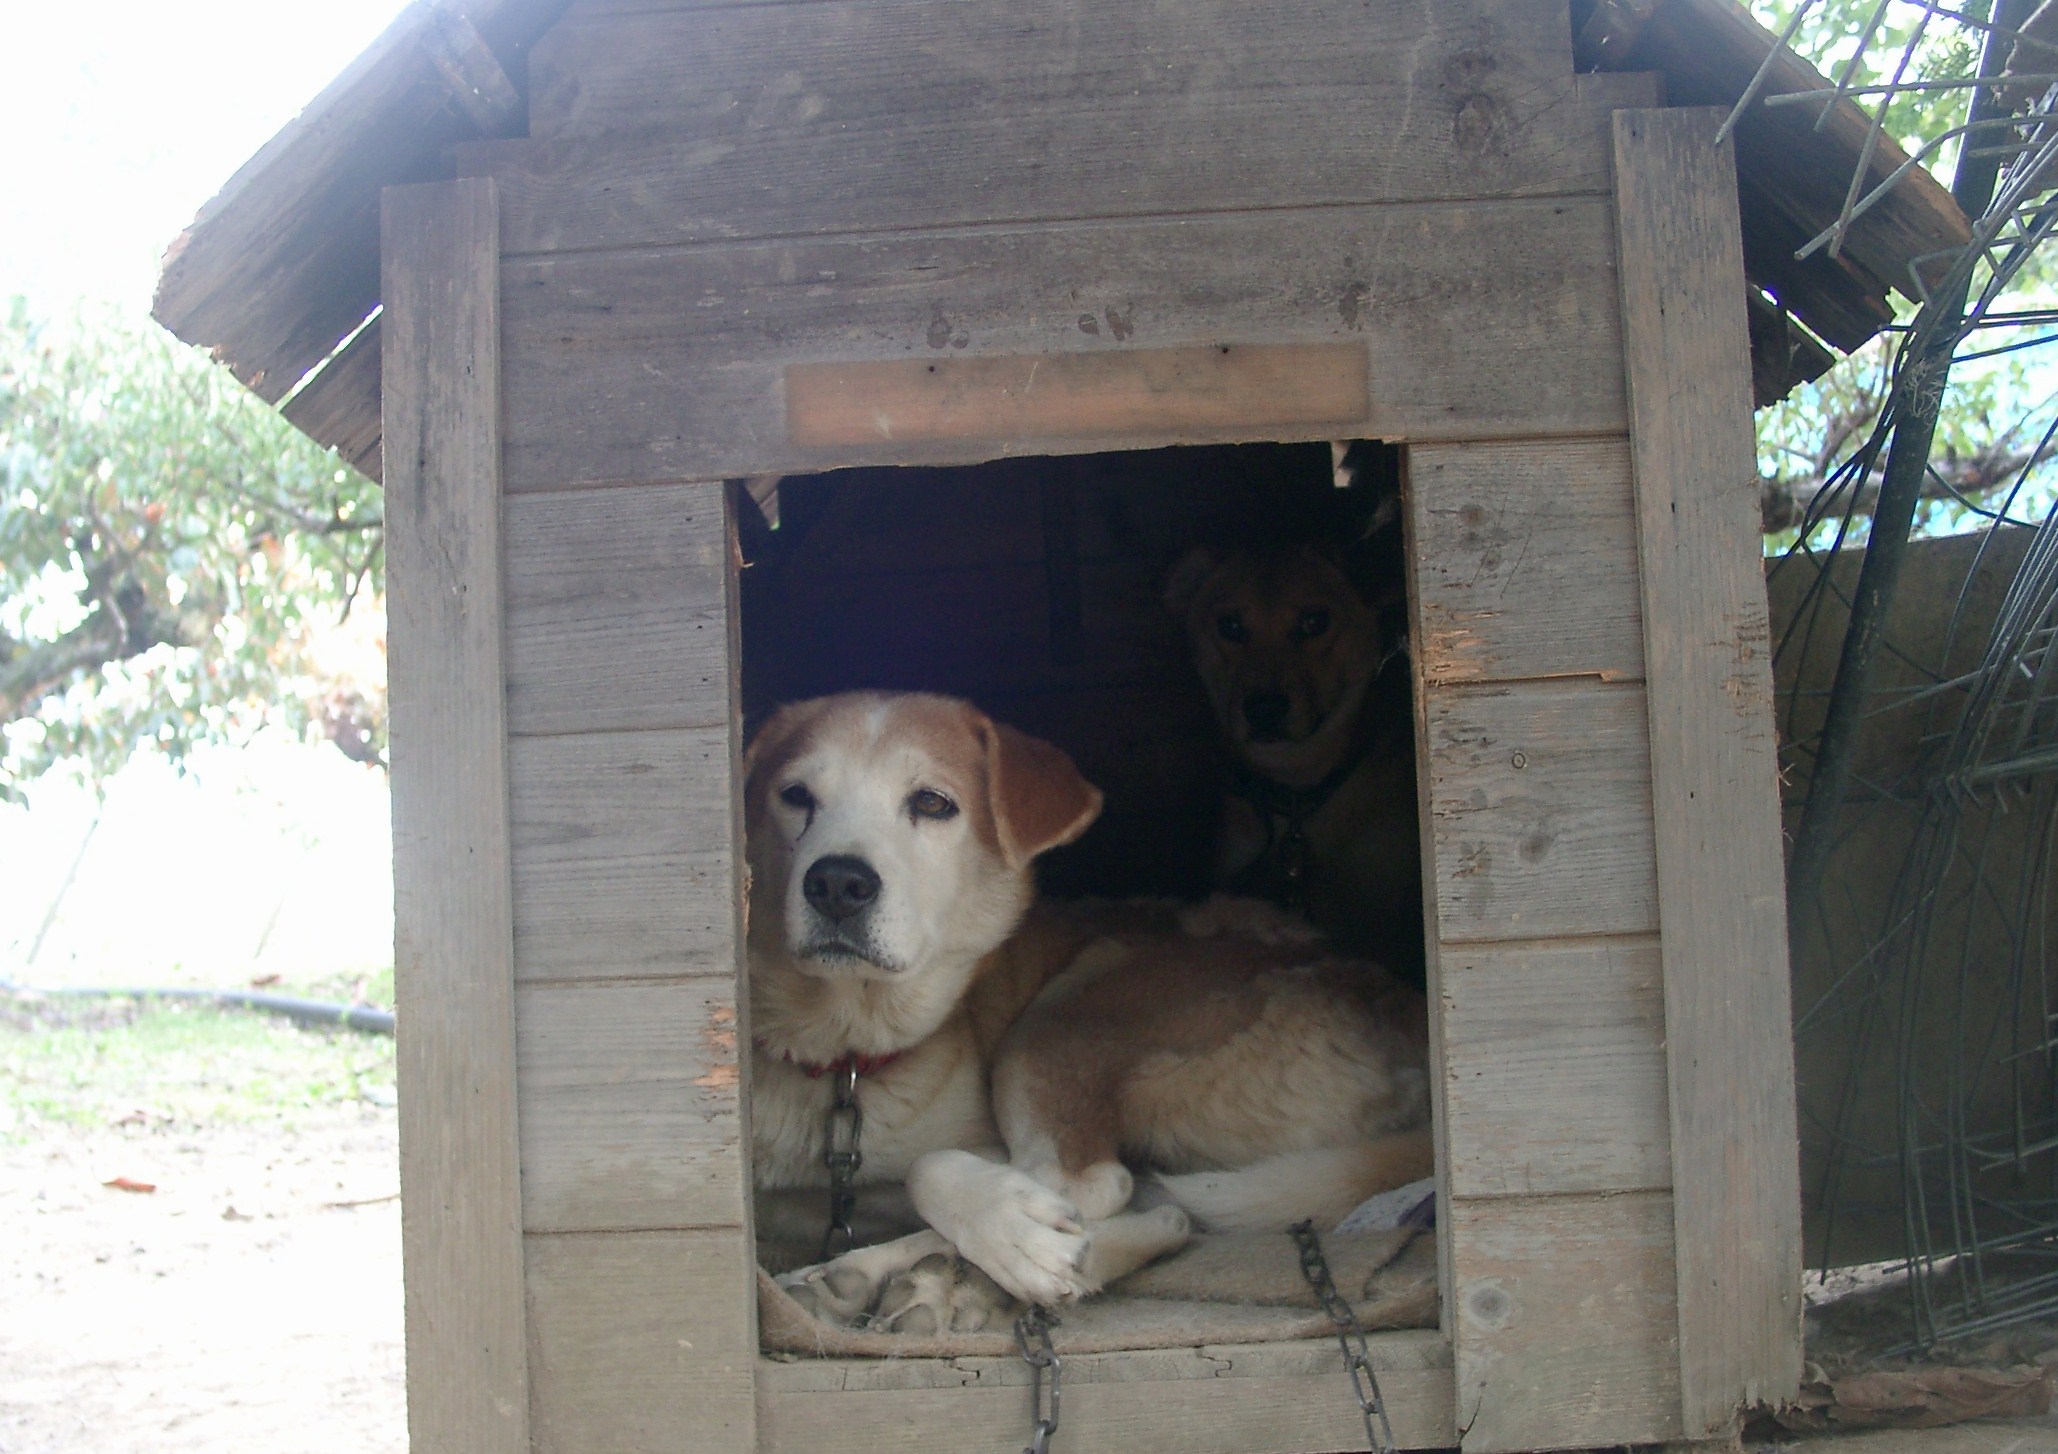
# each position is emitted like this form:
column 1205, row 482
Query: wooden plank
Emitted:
column 615, row 609
column 452, row 915
column 1540, row 811
column 1196, row 1415
column 624, row 854
column 870, row 115
column 1206, row 387
column 339, row 407
column 1525, row 561
column 1714, row 770
column 1480, row 320
column 630, row 1109
column 1554, row 1068
column 642, row 1341
column 1566, row 1322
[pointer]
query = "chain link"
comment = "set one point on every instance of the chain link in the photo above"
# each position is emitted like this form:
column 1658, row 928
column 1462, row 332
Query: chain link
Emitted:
column 1032, row 1336
column 841, row 1132
column 1357, row 1359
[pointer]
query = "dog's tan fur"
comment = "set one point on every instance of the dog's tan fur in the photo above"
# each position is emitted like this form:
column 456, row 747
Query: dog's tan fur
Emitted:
column 1084, row 1037
column 1362, row 877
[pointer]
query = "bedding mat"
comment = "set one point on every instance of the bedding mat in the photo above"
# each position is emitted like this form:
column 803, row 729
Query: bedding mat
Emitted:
column 1232, row 1287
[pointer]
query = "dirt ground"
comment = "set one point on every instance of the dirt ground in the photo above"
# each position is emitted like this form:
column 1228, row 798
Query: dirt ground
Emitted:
column 252, row 1302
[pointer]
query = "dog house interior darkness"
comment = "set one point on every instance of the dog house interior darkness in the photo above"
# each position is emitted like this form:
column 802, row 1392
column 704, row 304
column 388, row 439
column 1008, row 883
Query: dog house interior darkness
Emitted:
column 1008, row 295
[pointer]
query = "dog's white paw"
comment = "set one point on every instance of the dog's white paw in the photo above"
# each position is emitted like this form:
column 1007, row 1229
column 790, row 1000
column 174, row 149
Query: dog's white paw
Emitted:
column 1025, row 1236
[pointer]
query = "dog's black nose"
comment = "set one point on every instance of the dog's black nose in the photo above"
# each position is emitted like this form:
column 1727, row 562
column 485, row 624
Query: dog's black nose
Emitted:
column 1266, row 713
column 840, row 886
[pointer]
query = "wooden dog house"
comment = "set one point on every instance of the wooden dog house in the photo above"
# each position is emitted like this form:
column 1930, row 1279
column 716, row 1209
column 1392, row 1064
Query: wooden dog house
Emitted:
column 559, row 272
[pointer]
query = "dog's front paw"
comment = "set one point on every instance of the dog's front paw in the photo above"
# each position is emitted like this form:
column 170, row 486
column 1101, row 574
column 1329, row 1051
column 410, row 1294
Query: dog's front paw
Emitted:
column 1026, row 1237
column 941, row 1294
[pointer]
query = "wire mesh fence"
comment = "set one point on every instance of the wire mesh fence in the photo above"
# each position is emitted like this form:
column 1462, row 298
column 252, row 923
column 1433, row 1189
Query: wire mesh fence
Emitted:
column 1921, row 743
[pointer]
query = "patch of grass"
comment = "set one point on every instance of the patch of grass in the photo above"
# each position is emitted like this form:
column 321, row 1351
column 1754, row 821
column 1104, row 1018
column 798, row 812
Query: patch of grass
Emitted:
column 167, row 1064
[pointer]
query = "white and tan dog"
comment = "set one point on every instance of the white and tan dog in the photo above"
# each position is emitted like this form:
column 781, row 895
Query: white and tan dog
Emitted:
column 894, row 931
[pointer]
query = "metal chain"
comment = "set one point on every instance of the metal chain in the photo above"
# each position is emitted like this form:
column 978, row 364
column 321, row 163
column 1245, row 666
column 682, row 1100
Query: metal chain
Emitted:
column 841, row 1131
column 1357, row 1360
column 1032, row 1336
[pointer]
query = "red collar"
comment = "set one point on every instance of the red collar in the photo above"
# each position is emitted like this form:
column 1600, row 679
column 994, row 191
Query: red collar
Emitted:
column 850, row 1060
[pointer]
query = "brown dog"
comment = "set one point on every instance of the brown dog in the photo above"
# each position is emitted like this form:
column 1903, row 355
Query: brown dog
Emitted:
column 1016, row 1063
column 1313, row 703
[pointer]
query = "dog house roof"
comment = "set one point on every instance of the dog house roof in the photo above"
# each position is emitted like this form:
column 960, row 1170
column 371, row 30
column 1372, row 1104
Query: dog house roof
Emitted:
column 278, row 275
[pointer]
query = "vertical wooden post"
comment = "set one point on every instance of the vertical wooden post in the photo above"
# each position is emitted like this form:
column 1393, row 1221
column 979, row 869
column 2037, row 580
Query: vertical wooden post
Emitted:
column 1708, row 669
column 461, row 1214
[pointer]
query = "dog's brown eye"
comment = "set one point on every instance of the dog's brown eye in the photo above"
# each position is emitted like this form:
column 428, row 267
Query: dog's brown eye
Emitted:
column 1231, row 627
column 1311, row 625
column 928, row 803
column 796, row 795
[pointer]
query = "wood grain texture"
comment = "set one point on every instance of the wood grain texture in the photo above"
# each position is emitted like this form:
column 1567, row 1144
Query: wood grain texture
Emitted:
column 1566, row 1322
column 1209, row 387
column 1554, row 1068
column 630, row 1111
column 453, row 920
column 1526, row 561
column 1488, row 319
column 871, row 115
column 625, row 859
column 339, row 407
column 642, row 1341
column 1205, row 1400
column 616, row 603
column 1722, row 904
column 1540, row 811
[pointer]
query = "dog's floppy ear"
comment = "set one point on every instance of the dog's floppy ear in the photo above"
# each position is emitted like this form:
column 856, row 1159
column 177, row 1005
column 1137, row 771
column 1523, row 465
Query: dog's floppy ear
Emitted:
column 1187, row 577
column 1039, row 800
column 768, row 744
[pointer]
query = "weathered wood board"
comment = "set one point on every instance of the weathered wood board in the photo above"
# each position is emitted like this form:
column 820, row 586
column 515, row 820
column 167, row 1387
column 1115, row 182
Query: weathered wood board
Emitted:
column 642, row 1341
column 1525, row 561
column 625, row 862
column 1714, row 770
column 453, row 955
column 1554, row 1067
column 860, row 115
column 1539, row 810
column 1566, row 1321
column 630, row 1106
column 616, row 610
column 1268, row 1398
column 1487, row 319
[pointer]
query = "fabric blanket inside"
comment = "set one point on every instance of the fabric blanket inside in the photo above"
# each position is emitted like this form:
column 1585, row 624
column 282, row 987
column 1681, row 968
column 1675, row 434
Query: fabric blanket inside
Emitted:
column 1232, row 1287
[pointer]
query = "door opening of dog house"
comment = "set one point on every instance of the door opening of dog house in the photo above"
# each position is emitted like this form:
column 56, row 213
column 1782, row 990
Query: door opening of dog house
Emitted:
column 1217, row 637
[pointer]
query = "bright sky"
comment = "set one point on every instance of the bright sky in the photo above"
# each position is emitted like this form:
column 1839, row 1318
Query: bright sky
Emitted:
column 122, row 118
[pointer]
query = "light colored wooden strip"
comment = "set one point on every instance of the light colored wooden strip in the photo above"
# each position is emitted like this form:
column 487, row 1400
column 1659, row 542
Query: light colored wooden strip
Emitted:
column 1566, row 1322
column 871, row 115
column 1525, row 561
column 1554, row 1065
column 453, row 952
column 630, row 1108
column 1714, row 770
column 1257, row 1415
column 1209, row 387
column 643, row 1341
column 1540, row 811
column 615, row 606
column 625, row 860
column 671, row 364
